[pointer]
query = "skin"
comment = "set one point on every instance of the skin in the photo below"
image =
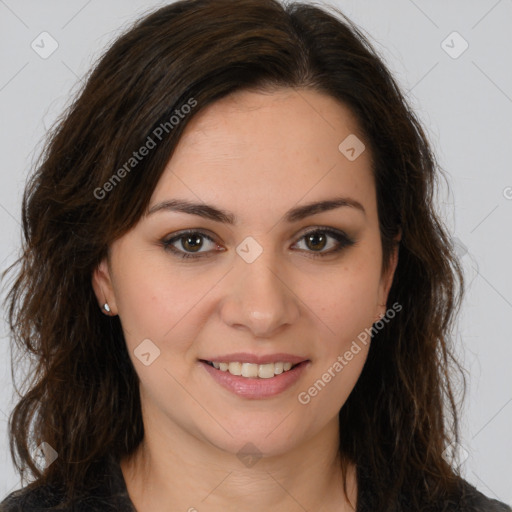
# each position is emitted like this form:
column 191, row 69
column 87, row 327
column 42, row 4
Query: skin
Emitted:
column 257, row 155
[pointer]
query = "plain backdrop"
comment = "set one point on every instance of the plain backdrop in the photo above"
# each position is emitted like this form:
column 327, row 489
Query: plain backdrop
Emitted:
column 454, row 61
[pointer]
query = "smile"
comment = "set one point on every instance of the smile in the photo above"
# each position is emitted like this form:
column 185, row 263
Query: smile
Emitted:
column 256, row 381
column 251, row 370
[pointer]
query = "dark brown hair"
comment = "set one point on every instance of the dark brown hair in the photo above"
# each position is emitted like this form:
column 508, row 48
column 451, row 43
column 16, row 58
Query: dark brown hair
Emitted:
column 82, row 395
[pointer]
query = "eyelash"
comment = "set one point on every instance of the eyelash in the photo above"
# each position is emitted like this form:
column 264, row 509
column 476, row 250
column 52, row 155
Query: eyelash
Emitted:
column 341, row 237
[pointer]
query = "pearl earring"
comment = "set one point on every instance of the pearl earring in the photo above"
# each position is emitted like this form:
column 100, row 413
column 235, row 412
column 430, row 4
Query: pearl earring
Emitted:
column 106, row 307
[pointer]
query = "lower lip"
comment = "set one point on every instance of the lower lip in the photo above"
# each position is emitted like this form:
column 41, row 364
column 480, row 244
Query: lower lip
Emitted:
column 255, row 387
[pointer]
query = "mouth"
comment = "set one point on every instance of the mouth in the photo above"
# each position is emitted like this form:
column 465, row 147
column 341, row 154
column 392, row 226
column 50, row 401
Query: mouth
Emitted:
column 256, row 381
column 252, row 370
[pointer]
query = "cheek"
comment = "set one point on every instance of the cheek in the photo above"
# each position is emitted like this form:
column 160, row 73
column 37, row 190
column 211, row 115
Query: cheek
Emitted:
column 151, row 301
column 163, row 302
column 346, row 309
column 346, row 300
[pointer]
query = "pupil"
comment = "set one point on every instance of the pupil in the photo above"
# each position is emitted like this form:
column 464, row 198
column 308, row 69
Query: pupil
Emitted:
column 313, row 237
column 193, row 241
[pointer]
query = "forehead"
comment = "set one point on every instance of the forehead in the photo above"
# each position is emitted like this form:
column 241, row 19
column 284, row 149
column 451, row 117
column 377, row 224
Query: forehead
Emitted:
column 271, row 146
column 272, row 113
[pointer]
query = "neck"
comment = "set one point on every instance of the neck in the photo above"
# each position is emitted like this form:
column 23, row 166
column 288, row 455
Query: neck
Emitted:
column 177, row 471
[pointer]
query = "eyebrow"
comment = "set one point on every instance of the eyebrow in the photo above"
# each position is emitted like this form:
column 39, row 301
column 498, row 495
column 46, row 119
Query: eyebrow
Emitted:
column 216, row 214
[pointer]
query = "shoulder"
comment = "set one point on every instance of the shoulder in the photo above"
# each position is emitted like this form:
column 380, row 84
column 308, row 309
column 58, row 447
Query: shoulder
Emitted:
column 46, row 499
column 107, row 493
column 473, row 500
column 31, row 498
column 466, row 499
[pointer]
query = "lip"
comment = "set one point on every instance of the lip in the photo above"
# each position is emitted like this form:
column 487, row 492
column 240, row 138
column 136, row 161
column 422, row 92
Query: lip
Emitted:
column 246, row 357
column 256, row 388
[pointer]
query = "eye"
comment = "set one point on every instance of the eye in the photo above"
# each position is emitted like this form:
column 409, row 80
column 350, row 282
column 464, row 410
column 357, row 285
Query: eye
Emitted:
column 317, row 240
column 189, row 241
column 189, row 244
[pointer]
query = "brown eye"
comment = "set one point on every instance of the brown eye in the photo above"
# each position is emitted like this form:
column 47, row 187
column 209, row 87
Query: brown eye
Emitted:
column 317, row 240
column 188, row 244
column 191, row 242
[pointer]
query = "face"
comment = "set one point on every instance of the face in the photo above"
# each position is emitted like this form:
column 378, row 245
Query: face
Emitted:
column 268, row 286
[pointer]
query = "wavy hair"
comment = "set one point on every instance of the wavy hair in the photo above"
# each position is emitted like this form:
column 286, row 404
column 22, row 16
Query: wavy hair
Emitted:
column 81, row 393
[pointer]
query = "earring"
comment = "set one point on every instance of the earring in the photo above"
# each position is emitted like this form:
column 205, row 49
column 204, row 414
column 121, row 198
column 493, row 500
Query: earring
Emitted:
column 106, row 307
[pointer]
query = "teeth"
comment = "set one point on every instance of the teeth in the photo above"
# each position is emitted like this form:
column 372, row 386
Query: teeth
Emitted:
column 250, row 370
column 265, row 371
column 235, row 368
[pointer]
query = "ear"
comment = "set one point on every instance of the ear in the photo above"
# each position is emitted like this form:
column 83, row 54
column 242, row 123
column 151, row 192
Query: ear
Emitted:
column 102, row 285
column 387, row 278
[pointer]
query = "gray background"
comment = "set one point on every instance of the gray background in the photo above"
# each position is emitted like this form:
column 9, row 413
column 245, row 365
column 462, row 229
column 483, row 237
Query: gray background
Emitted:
column 464, row 100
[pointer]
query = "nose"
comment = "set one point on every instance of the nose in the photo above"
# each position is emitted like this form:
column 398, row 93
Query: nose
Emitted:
column 259, row 298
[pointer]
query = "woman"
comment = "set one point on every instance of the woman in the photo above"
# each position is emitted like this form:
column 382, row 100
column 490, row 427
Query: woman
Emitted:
column 234, row 282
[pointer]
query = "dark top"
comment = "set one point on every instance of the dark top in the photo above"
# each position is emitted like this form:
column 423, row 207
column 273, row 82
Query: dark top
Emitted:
column 111, row 495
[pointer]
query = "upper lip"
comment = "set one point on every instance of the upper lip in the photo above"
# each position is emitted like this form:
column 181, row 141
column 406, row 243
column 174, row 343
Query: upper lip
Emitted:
column 245, row 357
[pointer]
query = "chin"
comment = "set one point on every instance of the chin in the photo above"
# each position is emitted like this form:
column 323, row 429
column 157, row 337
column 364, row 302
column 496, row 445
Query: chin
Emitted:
column 269, row 437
